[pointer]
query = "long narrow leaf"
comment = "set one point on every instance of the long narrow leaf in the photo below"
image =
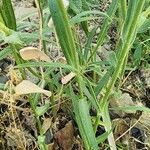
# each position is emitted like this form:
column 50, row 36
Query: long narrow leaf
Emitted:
column 87, row 124
column 89, row 42
column 8, row 15
column 64, row 32
column 102, row 35
column 123, row 8
column 103, row 81
column 74, row 99
column 5, row 52
column 45, row 64
column 87, row 14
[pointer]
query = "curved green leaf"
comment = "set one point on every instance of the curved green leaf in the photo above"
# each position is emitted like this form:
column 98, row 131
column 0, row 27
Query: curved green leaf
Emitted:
column 87, row 124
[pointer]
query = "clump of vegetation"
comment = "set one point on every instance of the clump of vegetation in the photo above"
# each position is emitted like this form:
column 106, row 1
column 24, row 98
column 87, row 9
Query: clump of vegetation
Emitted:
column 66, row 62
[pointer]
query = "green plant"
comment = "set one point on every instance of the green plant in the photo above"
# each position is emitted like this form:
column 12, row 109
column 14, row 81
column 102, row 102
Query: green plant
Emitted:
column 94, row 80
column 128, row 34
column 7, row 13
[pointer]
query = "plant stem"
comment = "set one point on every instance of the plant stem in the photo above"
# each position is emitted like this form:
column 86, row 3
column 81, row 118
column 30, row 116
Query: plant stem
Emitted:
column 123, row 8
column 39, row 125
column 40, row 13
column 104, row 28
column 129, row 38
column 123, row 54
column 15, row 53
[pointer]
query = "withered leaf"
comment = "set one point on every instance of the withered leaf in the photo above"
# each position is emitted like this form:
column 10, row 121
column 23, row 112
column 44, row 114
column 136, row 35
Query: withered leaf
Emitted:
column 29, row 53
column 64, row 137
column 67, row 78
column 46, row 124
column 27, row 87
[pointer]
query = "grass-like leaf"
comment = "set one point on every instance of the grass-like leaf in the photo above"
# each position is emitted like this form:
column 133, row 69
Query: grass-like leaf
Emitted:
column 81, row 110
column 45, row 64
column 8, row 15
column 64, row 32
column 5, row 52
column 87, row 15
column 106, row 24
column 87, row 124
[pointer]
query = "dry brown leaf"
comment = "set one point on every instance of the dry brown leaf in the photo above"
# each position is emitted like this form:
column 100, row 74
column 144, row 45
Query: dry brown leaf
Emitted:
column 29, row 53
column 145, row 73
column 15, row 138
column 67, row 78
column 64, row 137
column 122, row 101
column 51, row 146
column 62, row 60
column 46, row 124
column 145, row 119
column 27, row 87
column 15, row 76
column 120, row 126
